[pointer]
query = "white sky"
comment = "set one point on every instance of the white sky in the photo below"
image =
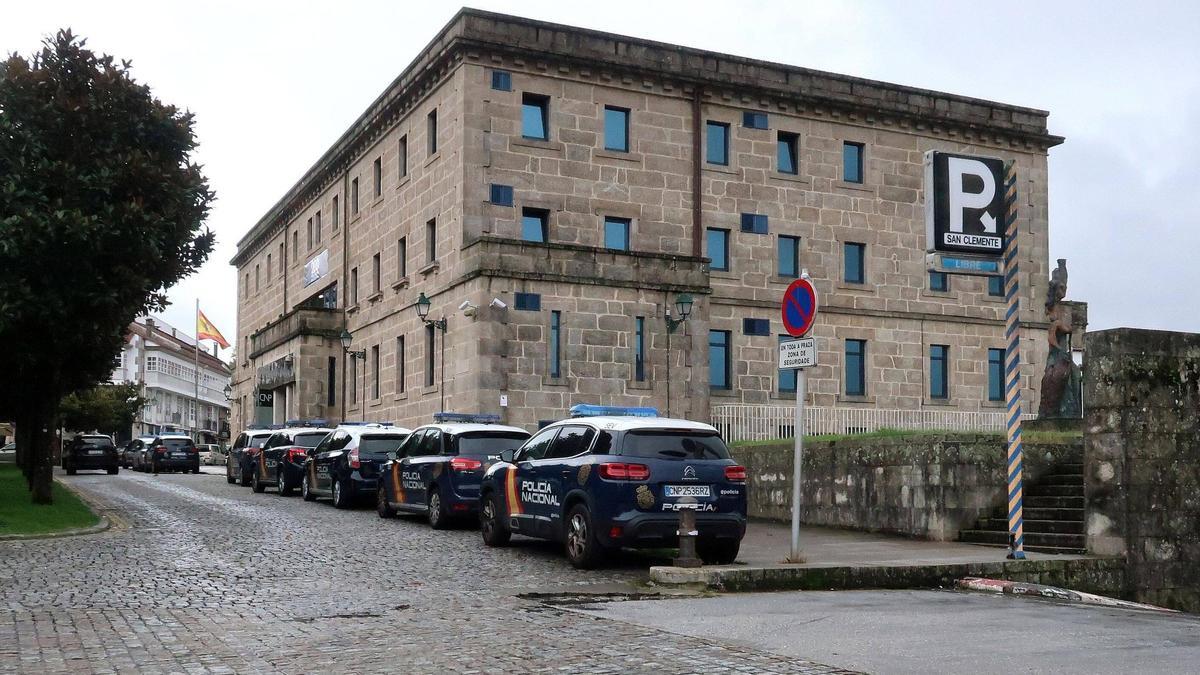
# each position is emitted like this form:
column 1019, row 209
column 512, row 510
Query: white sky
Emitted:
column 273, row 84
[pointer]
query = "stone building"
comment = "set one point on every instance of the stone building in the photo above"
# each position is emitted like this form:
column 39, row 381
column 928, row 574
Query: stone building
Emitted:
column 552, row 191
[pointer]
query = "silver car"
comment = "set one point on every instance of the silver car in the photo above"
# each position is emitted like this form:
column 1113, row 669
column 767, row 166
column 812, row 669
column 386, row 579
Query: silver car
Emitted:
column 8, row 454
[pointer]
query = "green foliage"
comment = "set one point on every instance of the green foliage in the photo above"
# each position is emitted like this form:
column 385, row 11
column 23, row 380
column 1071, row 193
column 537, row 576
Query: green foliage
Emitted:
column 18, row 516
column 106, row 408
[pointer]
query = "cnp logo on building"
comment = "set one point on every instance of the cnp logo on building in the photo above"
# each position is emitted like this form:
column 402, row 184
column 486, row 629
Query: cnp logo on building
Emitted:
column 964, row 203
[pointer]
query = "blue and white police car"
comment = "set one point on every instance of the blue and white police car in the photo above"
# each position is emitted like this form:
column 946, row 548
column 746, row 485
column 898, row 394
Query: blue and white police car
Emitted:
column 345, row 465
column 617, row 477
column 438, row 469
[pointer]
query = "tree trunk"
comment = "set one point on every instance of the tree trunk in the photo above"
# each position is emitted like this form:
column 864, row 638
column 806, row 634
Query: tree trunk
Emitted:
column 21, row 429
column 40, row 455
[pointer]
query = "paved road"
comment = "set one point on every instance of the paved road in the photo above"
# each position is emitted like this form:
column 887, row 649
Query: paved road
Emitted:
column 202, row 576
column 933, row 631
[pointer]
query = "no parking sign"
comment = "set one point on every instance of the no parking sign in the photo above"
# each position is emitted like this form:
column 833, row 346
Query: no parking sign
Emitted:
column 799, row 307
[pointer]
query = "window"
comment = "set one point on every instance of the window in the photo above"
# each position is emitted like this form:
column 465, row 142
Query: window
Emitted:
column 353, row 381
column 616, row 233
column 718, row 248
column 537, row 446
column 354, row 286
column 429, row 335
column 268, row 268
column 377, row 273
column 639, row 349
column 431, row 240
column 717, row 143
column 852, row 162
column 281, row 254
column 310, row 234
column 330, row 397
column 571, row 441
column 555, row 344
column 939, row 281
column 295, row 246
column 788, row 253
column 317, row 227
column 534, row 224
column 756, row 326
column 354, row 197
column 616, row 129
column 400, row 365
column 256, row 284
column 401, row 258
column 501, row 80
column 996, row 287
column 787, row 376
column 336, row 213
column 787, row 153
column 431, row 131
column 377, row 176
column 535, row 117
column 939, row 378
column 754, row 120
column 529, row 302
column 856, row 367
column 402, row 157
column 375, row 371
column 754, row 222
column 995, row 374
column 718, row 359
column 854, row 263
column 502, row 195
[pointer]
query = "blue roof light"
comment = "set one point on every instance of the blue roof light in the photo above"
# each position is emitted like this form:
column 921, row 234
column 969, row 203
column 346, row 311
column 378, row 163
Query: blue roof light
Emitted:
column 467, row 418
column 305, row 423
column 364, row 424
column 587, row 410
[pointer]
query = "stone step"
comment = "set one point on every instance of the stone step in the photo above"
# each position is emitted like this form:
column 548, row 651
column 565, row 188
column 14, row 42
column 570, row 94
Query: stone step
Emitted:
column 1037, row 513
column 1032, row 539
column 1059, row 502
column 1035, row 526
column 1059, row 550
column 1061, row 479
column 1054, row 490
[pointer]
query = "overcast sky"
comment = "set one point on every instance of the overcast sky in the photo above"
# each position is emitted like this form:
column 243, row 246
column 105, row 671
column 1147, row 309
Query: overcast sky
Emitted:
column 274, row 84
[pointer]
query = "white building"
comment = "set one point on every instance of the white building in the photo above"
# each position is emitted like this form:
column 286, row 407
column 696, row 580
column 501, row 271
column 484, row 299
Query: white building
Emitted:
column 163, row 360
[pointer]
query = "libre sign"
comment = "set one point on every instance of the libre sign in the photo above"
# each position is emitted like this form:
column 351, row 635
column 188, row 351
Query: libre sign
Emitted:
column 964, row 203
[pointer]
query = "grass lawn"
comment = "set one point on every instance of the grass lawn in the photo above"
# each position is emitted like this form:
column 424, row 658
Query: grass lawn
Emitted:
column 19, row 516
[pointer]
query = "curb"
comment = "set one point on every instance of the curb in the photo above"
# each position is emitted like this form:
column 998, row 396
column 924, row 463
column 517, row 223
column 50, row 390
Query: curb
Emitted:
column 104, row 524
column 1000, row 586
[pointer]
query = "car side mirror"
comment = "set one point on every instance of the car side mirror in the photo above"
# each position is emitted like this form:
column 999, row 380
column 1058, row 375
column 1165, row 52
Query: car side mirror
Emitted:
column 508, row 456
column 310, row 452
column 392, row 455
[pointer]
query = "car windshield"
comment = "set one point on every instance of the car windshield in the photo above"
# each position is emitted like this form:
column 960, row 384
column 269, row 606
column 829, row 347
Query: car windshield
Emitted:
column 488, row 442
column 682, row 444
column 177, row 443
column 377, row 445
column 96, row 442
column 256, row 442
column 309, row 440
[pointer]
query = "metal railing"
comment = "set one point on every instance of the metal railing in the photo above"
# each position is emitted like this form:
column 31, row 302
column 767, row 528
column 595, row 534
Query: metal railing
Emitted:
column 746, row 422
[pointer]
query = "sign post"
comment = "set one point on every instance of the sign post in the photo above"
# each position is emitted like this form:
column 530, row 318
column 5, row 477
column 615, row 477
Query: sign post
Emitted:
column 799, row 312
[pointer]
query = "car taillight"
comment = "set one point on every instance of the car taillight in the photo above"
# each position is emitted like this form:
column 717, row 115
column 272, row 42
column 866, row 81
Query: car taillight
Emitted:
column 465, row 464
column 193, row 449
column 622, row 471
column 297, row 453
column 354, row 462
column 736, row 474
column 160, row 449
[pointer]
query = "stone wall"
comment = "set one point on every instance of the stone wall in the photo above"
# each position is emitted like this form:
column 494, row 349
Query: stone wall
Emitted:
column 1142, row 459
column 921, row 485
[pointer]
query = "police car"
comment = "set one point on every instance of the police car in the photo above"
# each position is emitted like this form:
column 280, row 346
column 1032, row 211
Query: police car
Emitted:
column 239, row 466
column 617, row 477
column 280, row 461
column 345, row 465
column 438, row 469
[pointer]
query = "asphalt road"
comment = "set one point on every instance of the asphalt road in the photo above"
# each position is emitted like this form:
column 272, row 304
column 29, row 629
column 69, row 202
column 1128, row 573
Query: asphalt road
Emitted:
column 932, row 631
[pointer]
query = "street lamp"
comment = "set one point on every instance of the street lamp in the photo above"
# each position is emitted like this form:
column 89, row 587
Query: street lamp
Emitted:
column 683, row 308
column 228, row 391
column 361, row 355
column 423, row 305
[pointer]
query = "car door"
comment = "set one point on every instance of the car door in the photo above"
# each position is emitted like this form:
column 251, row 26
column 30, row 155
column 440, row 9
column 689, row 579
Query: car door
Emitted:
column 527, row 500
column 325, row 458
column 417, row 471
column 555, row 472
column 403, row 479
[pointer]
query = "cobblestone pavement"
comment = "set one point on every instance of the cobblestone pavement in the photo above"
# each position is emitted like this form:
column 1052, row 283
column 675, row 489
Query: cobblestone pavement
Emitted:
column 202, row 576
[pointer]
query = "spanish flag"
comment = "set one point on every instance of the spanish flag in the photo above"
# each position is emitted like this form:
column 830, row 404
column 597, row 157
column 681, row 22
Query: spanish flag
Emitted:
column 206, row 331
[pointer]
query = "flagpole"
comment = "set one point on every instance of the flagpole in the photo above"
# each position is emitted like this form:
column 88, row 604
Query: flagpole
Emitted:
column 196, row 405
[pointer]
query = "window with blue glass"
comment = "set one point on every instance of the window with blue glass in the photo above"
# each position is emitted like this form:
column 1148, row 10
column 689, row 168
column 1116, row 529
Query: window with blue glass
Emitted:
column 756, row 326
column 939, row 281
column 995, row 374
column 996, row 287
column 501, row 80
column 939, row 374
column 718, row 248
column 854, row 267
column 754, row 120
column 616, row 129
column 535, row 117
column 529, row 302
column 502, row 195
column 639, row 349
column 718, row 359
column 754, row 222
column 787, row 377
column 852, row 162
column 535, row 224
column 788, row 254
column 555, row 344
column 856, row 367
column 717, row 143
column 787, row 153
column 616, row 233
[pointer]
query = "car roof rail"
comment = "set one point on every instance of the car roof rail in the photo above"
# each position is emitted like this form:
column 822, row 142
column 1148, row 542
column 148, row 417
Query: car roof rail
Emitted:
column 588, row 410
column 466, row 418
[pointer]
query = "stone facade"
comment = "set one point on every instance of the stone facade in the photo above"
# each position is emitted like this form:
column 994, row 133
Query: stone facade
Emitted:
column 671, row 94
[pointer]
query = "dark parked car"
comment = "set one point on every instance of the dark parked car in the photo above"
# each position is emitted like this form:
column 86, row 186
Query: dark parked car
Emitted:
column 173, row 452
column 131, row 454
column 345, row 465
column 239, row 458
column 281, row 459
column 90, row 452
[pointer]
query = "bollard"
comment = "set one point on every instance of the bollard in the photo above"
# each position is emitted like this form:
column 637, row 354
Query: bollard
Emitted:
column 687, row 540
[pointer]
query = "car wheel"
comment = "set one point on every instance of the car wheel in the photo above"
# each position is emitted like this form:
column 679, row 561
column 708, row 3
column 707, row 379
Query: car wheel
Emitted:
column 70, row 470
column 256, row 484
column 341, row 496
column 196, row 469
column 281, row 484
column 438, row 518
column 229, row 477
column 491, row 522
column 245, row 479
column 583, row 550
column 154, row 467
column 719, row 551
column 382, row 507
column 113, row 471
column 305, row 491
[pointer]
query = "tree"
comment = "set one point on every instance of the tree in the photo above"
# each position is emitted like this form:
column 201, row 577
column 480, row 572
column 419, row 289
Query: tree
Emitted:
column 106, row 408
column 101, row 211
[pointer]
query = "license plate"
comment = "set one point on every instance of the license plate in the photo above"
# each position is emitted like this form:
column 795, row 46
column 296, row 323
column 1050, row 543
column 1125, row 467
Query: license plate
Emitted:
column 95, row 452
column 687, row 491
column 271, row 463
column 179, row 455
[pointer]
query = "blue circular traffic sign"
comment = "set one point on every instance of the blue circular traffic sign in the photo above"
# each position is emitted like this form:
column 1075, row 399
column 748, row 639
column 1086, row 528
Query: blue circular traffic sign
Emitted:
column 799, row 307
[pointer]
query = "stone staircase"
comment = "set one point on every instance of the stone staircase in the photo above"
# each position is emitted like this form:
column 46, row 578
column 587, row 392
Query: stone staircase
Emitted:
column 1054, row 518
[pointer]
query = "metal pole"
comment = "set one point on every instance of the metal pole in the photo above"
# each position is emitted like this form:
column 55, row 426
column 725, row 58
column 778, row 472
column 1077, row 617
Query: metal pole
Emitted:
column 442, row 387
column 1012, row 370
column 798, row 466
column 196, row 402
column 668, row 363
column 363, row 403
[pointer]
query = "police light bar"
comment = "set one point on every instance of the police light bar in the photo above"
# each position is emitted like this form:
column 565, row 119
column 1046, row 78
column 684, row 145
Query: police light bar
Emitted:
column 306, row 423
column 586, row 410
column 478, row 418
column 365, row 424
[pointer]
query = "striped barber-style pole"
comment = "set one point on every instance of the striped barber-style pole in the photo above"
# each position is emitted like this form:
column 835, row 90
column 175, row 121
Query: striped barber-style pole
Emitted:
column 1012, row 370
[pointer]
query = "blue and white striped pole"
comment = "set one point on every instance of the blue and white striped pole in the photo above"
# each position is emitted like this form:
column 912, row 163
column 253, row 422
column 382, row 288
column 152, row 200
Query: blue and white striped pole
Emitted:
column 1012, row 370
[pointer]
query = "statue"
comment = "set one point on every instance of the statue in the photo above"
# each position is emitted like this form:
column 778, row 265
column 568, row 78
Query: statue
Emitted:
column 1061, row 383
